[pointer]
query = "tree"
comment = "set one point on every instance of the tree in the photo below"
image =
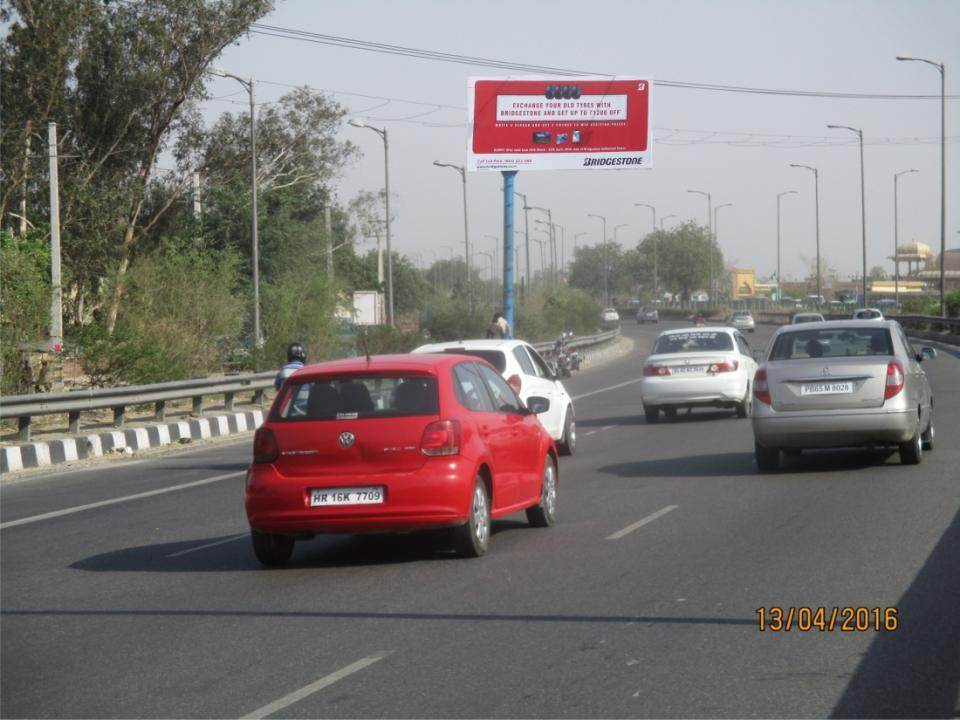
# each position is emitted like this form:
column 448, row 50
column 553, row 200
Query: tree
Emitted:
column 118, row 78
column 683, row 258
column 877, row 273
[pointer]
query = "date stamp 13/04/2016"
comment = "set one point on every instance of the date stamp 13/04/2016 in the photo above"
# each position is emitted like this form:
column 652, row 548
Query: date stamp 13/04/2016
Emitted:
column 824, row 619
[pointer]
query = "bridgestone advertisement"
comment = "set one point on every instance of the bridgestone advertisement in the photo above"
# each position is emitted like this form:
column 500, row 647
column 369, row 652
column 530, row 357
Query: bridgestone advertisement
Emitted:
column 568, row 123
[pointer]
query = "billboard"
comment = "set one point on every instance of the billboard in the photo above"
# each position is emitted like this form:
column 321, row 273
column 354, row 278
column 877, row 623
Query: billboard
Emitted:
column 549, row 123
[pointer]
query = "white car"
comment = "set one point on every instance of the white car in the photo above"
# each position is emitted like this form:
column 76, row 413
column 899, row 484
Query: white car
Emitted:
column 742, row 320
column 609, row 317
column 801, row 318
column 698, row 367
column 529, row 375
column 868, row 314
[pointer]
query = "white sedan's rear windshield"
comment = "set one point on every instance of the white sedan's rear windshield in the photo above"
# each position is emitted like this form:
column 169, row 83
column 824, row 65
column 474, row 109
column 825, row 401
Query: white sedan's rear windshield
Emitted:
column 693, row 341
column 494, row 357
column 352, row 397
column 832, row 343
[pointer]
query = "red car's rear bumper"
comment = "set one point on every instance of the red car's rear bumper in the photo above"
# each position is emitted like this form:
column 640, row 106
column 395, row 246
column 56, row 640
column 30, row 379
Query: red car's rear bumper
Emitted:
column 435, row 496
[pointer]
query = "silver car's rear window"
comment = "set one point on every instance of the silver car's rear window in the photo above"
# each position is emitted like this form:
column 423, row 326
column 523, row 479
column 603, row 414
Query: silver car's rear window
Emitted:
column 832, row 343
column 693, row 341
column 358, row 397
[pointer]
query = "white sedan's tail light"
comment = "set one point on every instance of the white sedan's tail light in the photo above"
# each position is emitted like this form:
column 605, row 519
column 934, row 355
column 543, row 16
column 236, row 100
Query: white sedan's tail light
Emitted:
column 655, row 370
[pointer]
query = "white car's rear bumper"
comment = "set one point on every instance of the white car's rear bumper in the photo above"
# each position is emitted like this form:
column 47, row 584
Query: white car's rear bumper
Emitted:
column 726, row 388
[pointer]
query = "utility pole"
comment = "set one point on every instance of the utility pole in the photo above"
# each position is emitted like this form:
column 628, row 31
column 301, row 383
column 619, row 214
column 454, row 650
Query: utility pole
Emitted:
column 863, row 205
column 716, row 233
column 328, row 231
column 710, row 231
column 816, row 195
column 603, row 255
column 896, row 239
column 56, row 291
column 197, row 207
column 780, row 195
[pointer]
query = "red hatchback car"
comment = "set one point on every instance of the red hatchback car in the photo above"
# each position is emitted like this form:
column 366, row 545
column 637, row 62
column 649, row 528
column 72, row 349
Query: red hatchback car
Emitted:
column 396, row 443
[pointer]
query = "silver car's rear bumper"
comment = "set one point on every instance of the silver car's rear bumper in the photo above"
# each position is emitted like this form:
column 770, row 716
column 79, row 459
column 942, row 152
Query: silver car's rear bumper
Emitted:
column 834, row 429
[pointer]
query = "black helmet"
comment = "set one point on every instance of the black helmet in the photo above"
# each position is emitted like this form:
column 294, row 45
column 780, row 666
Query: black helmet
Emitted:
column 295, row 351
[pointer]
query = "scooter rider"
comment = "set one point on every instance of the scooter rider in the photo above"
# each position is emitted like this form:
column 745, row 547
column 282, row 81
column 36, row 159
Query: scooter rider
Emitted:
column 296, row 358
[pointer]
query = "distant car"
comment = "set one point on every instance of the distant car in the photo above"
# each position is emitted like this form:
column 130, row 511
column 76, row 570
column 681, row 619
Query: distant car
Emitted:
column 841, row 384
column 529, row 375
column 609, row 318
column 396, row 443
column 868, row 314
column 742, row 320
column 647, row 315
column 698, row 367
column 700, row 297
column 801, row 318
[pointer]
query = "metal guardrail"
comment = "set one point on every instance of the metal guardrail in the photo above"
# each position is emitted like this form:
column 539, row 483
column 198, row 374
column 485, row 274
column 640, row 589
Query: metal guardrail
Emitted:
column 926, row 323
column 118, row 399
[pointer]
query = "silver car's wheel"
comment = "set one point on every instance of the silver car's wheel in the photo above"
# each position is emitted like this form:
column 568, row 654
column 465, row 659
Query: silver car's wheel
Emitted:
column 929, row 435
column 911, row 452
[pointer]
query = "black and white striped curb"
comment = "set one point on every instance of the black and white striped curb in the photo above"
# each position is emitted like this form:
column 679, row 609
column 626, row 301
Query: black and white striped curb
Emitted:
column 53, row 452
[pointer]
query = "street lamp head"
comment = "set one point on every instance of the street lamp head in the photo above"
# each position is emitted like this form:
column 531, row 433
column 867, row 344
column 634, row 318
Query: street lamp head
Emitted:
column 216, row 70
column 356, row 122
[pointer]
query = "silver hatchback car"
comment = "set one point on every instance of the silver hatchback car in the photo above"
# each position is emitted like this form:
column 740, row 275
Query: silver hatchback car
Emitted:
column 841, row 383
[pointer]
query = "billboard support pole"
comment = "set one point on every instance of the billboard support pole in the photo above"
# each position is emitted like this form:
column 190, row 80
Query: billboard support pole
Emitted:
column 508, row 299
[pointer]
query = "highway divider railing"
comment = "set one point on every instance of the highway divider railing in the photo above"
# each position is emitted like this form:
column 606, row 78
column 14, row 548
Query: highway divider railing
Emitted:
column 118, row 399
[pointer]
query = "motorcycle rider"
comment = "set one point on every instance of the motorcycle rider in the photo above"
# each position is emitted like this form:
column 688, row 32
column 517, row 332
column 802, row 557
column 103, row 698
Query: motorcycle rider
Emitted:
column 296, row 359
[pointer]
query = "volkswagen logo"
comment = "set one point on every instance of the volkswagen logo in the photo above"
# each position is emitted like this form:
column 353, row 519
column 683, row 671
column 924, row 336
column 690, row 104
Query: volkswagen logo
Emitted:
column 346, row 439
column 825, row 371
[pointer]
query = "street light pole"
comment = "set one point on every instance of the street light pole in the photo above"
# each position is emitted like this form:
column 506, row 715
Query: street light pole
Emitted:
column 466, row 231
column 663, row 219
column 816, row 195
column 496, row 254
column 382, row 132
column 575, row 236
column 654, row 210
column 553, row 241
column 896, row 238
column 603, row 253
column 943, row 167
column 248, row 85
column 709, row 230
column 526, row 234
column 780, row 195
column 717, row 233
column 863, row 204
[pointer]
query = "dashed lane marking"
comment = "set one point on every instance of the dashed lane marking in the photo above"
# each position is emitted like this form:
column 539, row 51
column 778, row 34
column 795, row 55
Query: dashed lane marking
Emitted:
column 114, row 501
column 208, row 545
column 640, row 523
column 606, row 389
column 313, row 687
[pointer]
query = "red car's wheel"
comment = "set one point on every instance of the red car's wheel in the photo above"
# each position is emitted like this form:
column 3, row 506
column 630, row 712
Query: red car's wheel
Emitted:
column 544, row 514
column 472, row 538
column 271, row 550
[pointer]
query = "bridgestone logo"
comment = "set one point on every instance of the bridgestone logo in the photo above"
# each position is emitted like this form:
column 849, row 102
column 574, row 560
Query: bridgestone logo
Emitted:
column 587, row 162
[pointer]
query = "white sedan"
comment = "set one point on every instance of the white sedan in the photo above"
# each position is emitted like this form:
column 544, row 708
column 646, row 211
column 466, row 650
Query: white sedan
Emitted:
column 698, row 367
column 529, row 375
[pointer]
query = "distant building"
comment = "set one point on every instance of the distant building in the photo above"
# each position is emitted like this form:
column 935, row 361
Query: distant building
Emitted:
column 743, row 283
column 951, row 271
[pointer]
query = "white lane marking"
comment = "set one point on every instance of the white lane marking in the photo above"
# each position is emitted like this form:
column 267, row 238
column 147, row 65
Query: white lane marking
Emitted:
column 589, row 432
column 208, row 545
column 114, row 501
column 313, row 687
column 640, row 523
column 607, row 427
column 607, row 389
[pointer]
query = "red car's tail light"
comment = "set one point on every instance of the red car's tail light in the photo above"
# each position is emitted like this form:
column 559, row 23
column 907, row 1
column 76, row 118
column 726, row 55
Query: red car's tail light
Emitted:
column 655, row 370
column 265, row 448
column 894, row 380
column 725, row 366
column 515, row 382
column 441, row 437
column 761, row 391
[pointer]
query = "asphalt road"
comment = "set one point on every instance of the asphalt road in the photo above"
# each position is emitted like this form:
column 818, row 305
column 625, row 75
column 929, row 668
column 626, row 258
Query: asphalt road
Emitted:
column 640, row 602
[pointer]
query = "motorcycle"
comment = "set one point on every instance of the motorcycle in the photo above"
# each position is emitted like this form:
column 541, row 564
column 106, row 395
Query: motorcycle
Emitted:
column 566, row 359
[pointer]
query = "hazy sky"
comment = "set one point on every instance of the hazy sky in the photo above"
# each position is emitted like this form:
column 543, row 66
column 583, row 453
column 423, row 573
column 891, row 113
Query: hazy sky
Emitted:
column 826, row 46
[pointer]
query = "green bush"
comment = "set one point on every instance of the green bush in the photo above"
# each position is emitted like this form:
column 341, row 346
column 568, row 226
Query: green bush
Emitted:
column 444, row 319
column 24, row 300
column 952, row 301
column 179, row 318
column 550, row 311
column 921, row 306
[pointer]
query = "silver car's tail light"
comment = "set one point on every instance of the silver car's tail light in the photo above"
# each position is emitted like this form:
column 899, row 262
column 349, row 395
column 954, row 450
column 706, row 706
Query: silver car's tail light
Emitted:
column 655, row 370
column 894, row 380
column 761, row 391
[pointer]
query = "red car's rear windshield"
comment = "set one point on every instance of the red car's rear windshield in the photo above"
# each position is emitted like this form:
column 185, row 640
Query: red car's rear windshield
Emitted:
column 357, row 397
column 832, row 343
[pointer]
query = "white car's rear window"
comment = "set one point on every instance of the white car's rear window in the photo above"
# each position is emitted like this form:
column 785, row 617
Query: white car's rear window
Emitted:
column 693, row 341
